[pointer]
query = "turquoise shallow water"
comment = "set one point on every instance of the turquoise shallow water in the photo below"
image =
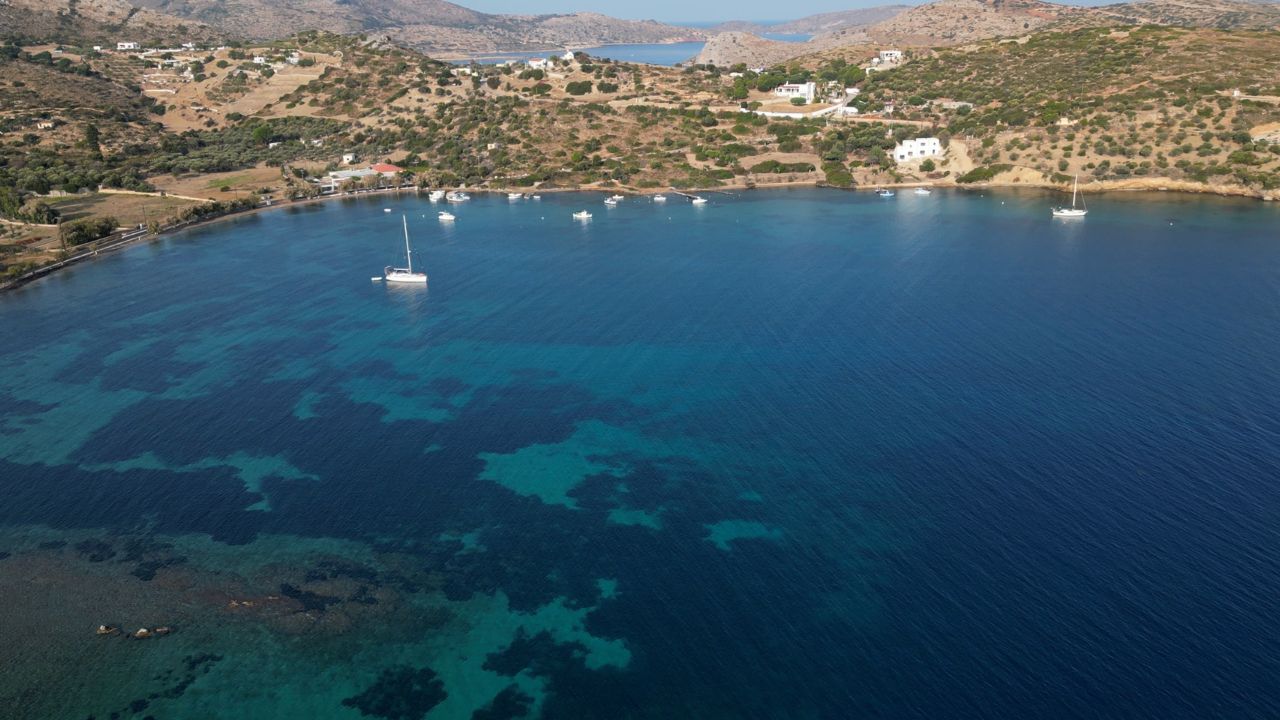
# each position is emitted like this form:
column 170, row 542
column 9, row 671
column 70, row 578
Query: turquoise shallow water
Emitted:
column 801, row 453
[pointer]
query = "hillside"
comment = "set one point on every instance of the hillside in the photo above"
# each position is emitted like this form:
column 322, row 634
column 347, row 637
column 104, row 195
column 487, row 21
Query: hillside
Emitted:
column 428, row 25
column 827, row 22
column 1194, row 106
column 1221, row 14
column 1122, row 107
column 96, row 21
column 733, row 48
column 947, row 22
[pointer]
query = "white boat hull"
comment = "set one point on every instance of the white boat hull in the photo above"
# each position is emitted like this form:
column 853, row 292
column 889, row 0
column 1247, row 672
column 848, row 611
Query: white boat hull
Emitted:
column 408, row 278
column 1069, row 213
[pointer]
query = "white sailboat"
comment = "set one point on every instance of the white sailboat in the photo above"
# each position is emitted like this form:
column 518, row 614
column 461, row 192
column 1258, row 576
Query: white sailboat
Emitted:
column 406, row 274
column 1073, row 211
column 923, row 191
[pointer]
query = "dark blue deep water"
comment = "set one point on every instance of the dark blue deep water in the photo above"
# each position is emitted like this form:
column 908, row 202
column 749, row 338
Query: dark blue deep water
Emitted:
column 794, row 454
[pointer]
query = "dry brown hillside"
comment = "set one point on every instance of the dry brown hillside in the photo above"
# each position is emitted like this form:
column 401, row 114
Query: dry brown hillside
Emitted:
column 1222, row 14
column 431, row 25
column 100, row 21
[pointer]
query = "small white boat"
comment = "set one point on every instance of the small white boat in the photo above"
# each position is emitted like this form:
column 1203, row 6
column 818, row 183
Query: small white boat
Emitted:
column 617, row 197
column 699, row 201
column 515, row 196
column 610, row 202
column 386, row 210
column 659, row 198
column 1073, row 211
column 885, row 193
column 436, row 195
column 536, row 197
column 404, row 274
column 457, row 196
column 582, row 215
column 923, row 191
column 446, row 216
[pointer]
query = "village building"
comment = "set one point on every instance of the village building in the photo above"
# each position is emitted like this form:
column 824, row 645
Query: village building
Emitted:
column 538, row 64
column 891, row 56
column 348, row 158
column 126, row 46
column 386, row 170
column 917, row 149
column 259, row 60
column 797, row 90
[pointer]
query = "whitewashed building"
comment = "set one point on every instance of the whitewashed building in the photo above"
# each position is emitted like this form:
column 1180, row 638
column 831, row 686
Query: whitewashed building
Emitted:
column 259, row 60
column 917, row 149
column 797, row 90
column 124, row 46
column 567, row 56
column 891, row 56
column 538, row 64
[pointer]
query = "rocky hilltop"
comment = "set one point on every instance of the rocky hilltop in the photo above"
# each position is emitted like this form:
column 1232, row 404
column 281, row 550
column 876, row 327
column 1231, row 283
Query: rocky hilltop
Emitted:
column 948, row 22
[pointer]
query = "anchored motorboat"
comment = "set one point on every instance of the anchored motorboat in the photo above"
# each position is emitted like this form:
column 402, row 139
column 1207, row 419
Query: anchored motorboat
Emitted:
column 582, row 215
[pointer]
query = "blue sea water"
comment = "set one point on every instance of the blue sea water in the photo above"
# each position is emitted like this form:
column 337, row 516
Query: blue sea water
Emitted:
column 792, row 454
column 650, row 53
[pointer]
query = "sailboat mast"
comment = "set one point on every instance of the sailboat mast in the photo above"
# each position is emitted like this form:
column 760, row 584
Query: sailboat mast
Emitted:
column 1074, row 184
column 407, row 252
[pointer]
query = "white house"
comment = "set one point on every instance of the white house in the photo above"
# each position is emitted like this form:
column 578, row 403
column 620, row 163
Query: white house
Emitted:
column 128, row 46
column 538, row 64
column 891, row 56
column 567, row 56
column 797, row 90
column 348, row 158
column 848, row 109
column 259, row 60
column 916, row 149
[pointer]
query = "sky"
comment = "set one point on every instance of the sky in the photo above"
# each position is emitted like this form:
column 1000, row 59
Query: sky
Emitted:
column 675, row 11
